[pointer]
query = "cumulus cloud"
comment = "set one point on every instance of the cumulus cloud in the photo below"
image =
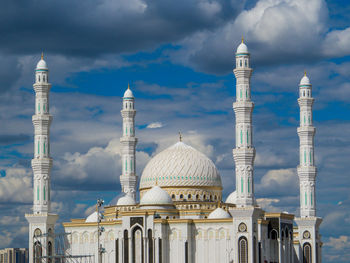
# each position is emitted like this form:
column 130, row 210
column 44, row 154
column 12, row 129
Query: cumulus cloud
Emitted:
column 16, row 186
column 339, row 243
column 279, row 182
column 154, row 125
column 98, row 167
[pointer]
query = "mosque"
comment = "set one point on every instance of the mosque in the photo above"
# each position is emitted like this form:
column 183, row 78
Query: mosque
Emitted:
column 181, row 216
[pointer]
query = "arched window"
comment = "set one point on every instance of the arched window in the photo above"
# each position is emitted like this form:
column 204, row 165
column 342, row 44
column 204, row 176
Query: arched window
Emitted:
column 173, row 196
column 126, row 246
column 181, row 196
column 39, row 78
column 137, row 245
column 150, row 246
column 307, row 255
column 240, row 63
column 189, row 196
column 243, row 250
column 245, row 63
column 37, row 252
column 44, row 78
column 49, row 251
column 197, row 197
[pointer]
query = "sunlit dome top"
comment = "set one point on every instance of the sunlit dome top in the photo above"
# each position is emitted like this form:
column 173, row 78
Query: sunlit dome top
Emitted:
column 180, row 165
column 126, row 200
column 231, row 199
column 156, row 196
column 92, row 218
column 41, row 64
column 242, row 48
column 305, row 80
column 219, row 213
column 128, row 93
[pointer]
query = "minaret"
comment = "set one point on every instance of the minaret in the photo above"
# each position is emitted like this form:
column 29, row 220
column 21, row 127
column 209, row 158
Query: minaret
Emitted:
column 306, row 168
column 244, row 153
column 128, row 179
column 41, row 222
column 309, row 238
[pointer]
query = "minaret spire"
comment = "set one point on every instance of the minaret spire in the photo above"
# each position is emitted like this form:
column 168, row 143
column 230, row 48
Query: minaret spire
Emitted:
column 306, row 131
column 244, row 153
column 42, row 221
column 308, row 224
column 128, row 179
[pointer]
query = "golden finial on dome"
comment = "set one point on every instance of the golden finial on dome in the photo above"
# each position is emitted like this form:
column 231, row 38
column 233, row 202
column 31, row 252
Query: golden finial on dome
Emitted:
column 42, row 55
column 180, row 137
column 305, row 73
column 128, row 85
column 242, row 39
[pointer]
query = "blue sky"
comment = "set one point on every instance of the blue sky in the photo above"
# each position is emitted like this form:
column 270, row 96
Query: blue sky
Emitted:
column 178, row 58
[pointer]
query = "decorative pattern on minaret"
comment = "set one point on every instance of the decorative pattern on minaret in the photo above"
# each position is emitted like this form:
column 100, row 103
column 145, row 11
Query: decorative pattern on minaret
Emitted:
column 306, row 169
column 128, row 179
column 244, row 153
column 42, row 162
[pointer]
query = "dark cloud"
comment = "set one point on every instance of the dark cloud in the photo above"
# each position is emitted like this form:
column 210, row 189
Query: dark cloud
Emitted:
column 7, row 139
column 91, row 28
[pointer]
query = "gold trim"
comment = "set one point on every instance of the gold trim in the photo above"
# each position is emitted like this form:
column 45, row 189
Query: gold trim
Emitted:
column 263, row 222
column 185, row 187
column 80, row 224
column 280, row 215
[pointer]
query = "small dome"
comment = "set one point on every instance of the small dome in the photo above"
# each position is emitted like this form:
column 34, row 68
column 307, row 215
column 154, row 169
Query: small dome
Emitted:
column 126, row 200
column 156, row 196
column 231, row 199
column 41, row 65
column 219, row 213
column 242, row 49
column 128, row 93
column 92, row 218
column 305, row 80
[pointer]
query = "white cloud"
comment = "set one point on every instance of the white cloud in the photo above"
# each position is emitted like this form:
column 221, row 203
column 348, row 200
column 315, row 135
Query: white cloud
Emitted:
column 337, row 43
column 16, row 186
column 154, row 125
column 339, row 243
column 281, row 181
column 268, row 204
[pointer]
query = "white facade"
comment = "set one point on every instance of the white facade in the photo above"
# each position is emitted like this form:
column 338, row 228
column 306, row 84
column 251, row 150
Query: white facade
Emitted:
column 181, row 217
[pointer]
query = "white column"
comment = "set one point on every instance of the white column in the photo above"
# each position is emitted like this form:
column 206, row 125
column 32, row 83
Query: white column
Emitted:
column 41, row 222
column 128, row 179
column 244, row 153
column 42, row 162
column 306, row 169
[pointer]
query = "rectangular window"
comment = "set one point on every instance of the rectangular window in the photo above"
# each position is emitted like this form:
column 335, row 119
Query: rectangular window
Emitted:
column 240, row 94
column 241, row 184
column 310, row 158
column 37, row 193
column 305, row 157
column 248, row 186
column 241, row 137
column 311, row 198
column 44, row 193
column 38, row 147
column 247, row 138
column 44, row 148
column 305, row 198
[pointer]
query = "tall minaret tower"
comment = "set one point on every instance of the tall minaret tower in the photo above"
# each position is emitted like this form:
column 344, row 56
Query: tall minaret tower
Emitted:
column 128, row 179
column 307, row 168
column 41, row 222
column 244, row 153
column 308, row 223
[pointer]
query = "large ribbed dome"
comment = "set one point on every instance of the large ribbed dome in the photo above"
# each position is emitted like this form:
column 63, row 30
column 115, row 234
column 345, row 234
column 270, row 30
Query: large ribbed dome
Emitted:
column 180, row 166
